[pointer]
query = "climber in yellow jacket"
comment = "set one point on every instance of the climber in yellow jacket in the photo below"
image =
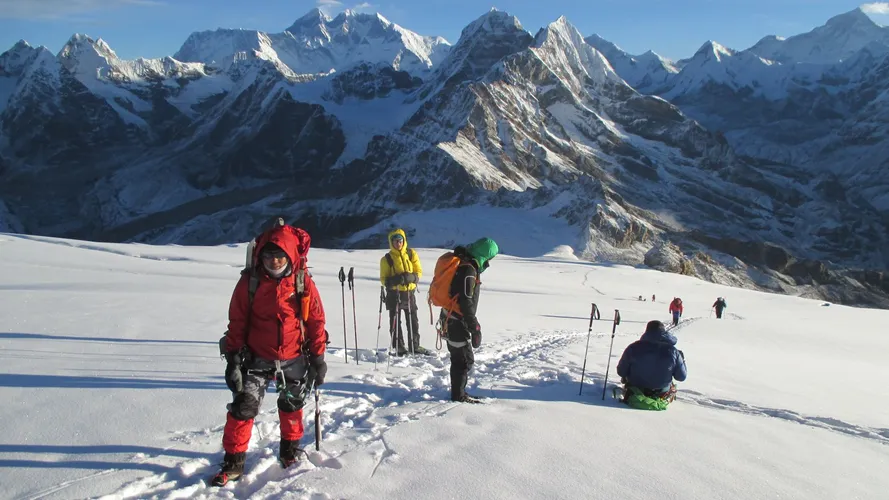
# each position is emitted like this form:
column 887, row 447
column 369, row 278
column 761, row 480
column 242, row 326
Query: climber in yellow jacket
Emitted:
column 400, row 271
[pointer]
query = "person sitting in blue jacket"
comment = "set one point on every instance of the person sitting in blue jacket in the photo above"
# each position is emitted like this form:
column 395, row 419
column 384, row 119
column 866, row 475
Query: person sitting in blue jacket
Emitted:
column 648, row 367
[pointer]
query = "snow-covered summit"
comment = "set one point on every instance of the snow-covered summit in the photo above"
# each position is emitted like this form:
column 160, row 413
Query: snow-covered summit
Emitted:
column 14, row 60
column 482, row 43
column 494, row 22
column 91, row 60
column 646, row 72
column 713, row 49
column 560, row 43
column 310, row 23
column 88, row 58
column 841, row 37
column 318, row 44
column 714, row 63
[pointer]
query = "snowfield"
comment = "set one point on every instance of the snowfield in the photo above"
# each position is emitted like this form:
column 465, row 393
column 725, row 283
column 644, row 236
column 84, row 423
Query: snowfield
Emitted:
column 113, row 388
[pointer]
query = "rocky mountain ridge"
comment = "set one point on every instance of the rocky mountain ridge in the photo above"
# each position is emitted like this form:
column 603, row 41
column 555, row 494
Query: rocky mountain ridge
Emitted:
column 314, row 123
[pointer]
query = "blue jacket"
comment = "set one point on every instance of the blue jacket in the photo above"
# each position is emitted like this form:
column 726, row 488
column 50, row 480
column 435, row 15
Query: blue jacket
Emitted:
column 653, row 361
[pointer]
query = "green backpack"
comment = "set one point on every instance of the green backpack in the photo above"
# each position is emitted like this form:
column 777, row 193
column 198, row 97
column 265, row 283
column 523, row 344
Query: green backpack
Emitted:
column 635, row 398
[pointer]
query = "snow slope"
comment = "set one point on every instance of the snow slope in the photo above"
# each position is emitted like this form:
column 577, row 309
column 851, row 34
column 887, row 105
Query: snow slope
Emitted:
column 114, row 389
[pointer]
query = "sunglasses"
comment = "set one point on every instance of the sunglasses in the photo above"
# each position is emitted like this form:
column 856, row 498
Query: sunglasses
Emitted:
column 398, row 239
column 279, row 254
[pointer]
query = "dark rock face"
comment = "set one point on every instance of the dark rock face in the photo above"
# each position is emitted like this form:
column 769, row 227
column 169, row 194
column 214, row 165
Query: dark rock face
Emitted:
column 370, row 82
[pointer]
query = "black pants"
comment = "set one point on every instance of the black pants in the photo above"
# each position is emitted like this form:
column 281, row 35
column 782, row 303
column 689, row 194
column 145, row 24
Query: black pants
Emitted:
column 403, row 304
column 256, row 379
column 462, row 359
column 718, row 313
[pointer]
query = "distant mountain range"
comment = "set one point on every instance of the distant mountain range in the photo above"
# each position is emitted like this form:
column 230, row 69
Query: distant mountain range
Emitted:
column 765, row 167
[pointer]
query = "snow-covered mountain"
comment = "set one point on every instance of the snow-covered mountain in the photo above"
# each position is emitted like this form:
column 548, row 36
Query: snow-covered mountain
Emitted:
column 809, row 101
column 647, row 72
column 840, row 38
column 347, row 124
column 318, row 44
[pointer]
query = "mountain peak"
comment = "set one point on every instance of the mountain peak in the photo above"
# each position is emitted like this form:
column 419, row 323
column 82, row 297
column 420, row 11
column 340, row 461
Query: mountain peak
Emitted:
column 714, row 49
column 311, row 19
column 854, row 18
column 604, row 46
column 840, row 38
column 494, row 22
column 14, row 60
column 484, row 42
column 80, row 44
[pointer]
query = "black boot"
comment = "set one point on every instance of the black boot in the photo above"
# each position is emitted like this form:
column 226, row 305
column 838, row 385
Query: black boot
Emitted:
column 232, row 469
column 290, row 453
column 466, row 398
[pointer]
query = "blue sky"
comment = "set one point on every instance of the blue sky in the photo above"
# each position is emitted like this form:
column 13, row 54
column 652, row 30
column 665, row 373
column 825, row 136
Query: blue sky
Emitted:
column 673, row 28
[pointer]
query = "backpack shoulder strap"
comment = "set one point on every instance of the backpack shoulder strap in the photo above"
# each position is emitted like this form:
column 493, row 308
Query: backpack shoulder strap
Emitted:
column 390, row 261
column 252, row 285
column 300, row 281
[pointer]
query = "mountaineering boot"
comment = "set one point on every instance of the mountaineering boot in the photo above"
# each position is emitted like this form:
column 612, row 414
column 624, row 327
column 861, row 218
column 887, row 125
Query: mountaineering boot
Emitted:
column 232, row 469
column 468, row 399
column 422, row 351
column 290, row 453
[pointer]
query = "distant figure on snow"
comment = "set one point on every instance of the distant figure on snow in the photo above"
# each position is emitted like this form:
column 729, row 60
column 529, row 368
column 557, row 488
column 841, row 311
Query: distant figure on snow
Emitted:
column 720, row 306
column 676, row 310
column 640, row 298
column 648, row 367
column 652, row 297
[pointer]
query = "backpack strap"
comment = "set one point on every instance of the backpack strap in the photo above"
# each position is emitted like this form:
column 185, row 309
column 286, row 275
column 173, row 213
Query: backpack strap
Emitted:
column 252, row 285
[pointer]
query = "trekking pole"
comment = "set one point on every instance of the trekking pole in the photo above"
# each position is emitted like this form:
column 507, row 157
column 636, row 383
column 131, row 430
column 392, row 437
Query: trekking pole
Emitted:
column 379, row 323
column 354, row 318
column 393, row 335
column 594, row 313
column 408, row 323
column 342, row 276
column 711, row 313
column 317, row 420
column 608, row 365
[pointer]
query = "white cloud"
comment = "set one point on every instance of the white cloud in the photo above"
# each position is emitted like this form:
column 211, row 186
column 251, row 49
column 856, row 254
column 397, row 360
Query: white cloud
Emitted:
column 876, row 8
column 54, row 9
column 329, row 6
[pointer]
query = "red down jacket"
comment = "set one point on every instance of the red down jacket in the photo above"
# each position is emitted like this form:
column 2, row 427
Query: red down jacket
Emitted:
column 275, row 330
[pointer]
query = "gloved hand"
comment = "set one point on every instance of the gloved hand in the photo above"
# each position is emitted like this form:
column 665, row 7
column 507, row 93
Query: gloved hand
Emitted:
column 393, row 281
column 476, row 337
column 408, row 278
column 234, row 378
column 320, row 366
